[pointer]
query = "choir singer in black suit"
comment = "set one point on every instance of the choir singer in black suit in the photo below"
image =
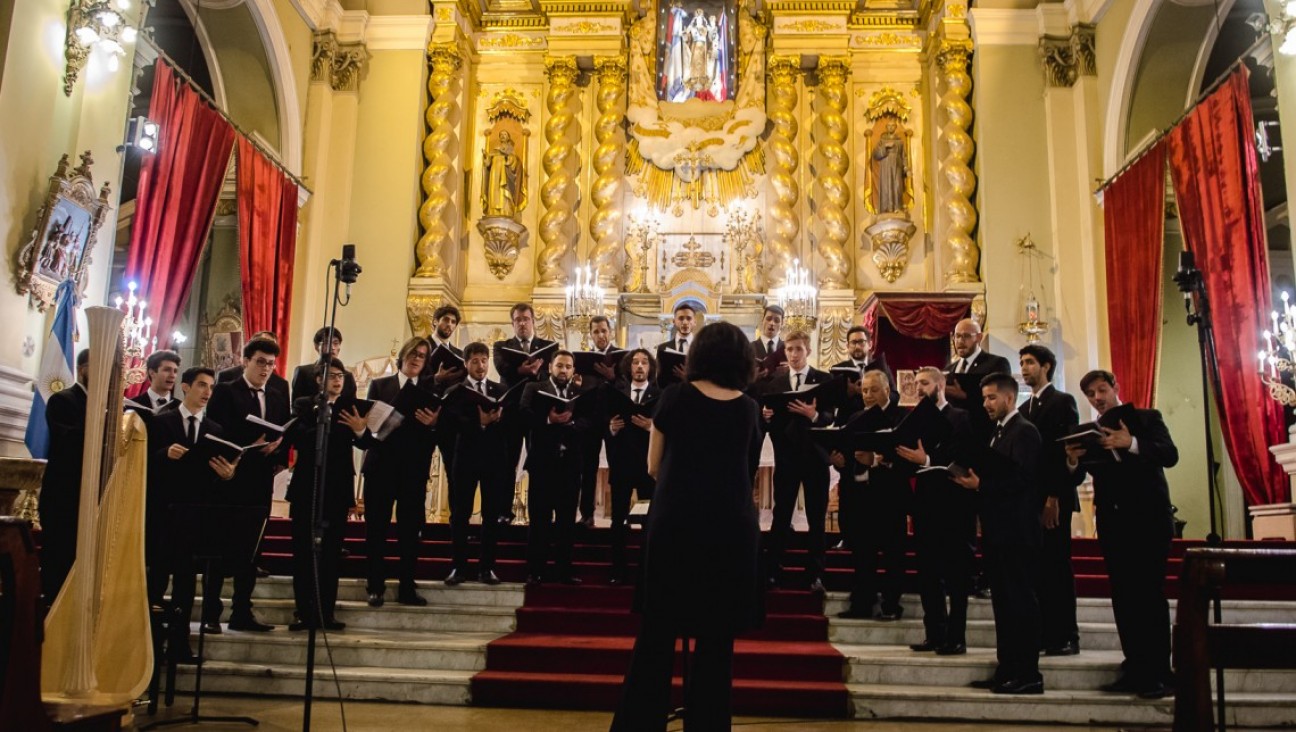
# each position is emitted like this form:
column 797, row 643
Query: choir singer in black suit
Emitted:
column 970, row 359
column 1054, row 414
column 177, row 478
column 162, row 368
column 315, row 588
column 60, row 495
column 684, row 318
column 395, row 470
column 601, row 342
column 479, row 442
column 701, row 575
column 798, row 462
column 445, row 320
column 304, row 383
column 253, row 484
column 628, row 451
column 944, row 517
column 768, row 341
column 1135, row 526
column 554, row 440
column 1008, row 504
column 234, row 373
column 524, row 339
column 859, row 348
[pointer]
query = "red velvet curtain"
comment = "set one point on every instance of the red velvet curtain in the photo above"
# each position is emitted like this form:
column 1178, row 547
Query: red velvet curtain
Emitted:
column 176, row 199
column 1134, row 229
column 1217, row 186
column 914, row 333
column 267, row 210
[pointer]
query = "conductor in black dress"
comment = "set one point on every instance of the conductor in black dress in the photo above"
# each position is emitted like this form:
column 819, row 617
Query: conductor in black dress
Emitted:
column 395, row 470
column 1135, row 526
column 1008, row 504
column 304, row 383
column 1054, row 414
column 701, row 575
column 628, row 451
column 60, row 496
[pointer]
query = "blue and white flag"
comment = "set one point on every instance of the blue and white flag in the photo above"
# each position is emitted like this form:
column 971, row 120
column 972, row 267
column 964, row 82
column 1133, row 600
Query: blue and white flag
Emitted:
column 56, row 367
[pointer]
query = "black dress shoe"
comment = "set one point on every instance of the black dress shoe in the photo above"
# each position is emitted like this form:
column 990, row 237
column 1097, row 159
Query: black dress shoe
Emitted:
column 211, row 628
column 1157, row 690
column 249, row 624
column 488, row 577
column 570, row 579
column 183, row 656
column 375, row 599
column 924, row 647
column 952, row 649
column 854, row 614
column 334, row 624
column 534, row 581
column 300, row 625
column 984, row 684
column 455, row 578
column 817, row 585
column 1123, row 685
column 262, row 572
column 983, row 593
column 411, row 598
column 890, row 615
column 1020, row 686
column 1070, row 648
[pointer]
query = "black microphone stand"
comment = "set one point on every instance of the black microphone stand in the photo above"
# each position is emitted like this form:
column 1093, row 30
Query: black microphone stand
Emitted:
column 345, row 270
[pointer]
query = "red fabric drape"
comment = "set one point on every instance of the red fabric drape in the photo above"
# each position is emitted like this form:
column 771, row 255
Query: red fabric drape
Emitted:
column 923, row 318
column 1217, row 186
column 176, row 198
column 914, row 333
column 267, row 210
column 1134, row 229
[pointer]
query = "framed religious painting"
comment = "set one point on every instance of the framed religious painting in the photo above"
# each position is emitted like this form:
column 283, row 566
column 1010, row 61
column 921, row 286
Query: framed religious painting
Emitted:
column 67, row 224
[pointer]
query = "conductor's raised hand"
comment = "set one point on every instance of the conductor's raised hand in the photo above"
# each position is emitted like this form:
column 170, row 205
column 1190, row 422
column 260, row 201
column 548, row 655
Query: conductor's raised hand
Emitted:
column 916, row 455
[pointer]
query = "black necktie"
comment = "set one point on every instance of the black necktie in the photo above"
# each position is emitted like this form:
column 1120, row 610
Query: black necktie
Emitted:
column 161, row 402
column 481, row 387
column 193, row 429
column 798, row 383
column 998, row 433
column 1030, row 407
column 683, row 344
column 638, row 396
column 259, row 395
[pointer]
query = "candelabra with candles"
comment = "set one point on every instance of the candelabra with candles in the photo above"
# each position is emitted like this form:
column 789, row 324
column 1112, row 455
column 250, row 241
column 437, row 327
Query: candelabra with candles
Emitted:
column 1279, row 354
column 138, row 340
column 743, row 229
column 584, row 301
column 799, row 298
column 641, row 229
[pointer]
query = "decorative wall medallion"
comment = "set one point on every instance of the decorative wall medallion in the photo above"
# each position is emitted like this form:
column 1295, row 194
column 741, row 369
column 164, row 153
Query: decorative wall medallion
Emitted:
column 58, row 247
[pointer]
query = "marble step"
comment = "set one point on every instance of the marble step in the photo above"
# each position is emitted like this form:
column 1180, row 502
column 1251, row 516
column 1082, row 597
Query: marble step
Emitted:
column 358, row 615
column 899, row 666
column 355, row 648
column 475, row 594
column 980, row 633
column 872, row 701
column 422, row 686
column 1094, row 609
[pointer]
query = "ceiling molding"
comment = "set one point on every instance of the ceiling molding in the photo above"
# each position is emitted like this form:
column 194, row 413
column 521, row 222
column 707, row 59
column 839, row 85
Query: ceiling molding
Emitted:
column 1004, row 27
column 398, row 32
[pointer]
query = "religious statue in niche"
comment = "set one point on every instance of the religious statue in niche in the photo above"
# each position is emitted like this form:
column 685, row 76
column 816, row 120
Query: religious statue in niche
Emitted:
column 695, row 52
column 504, row 182
column 503, row 177
column 890, row 190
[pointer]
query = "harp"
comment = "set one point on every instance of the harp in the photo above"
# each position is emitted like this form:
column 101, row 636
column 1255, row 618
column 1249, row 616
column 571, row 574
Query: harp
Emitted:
column 98, row 646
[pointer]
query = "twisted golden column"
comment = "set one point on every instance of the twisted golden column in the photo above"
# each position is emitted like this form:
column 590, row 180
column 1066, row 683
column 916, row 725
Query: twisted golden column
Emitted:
column 444, row 60
column 608, row 163
column 834, row 197
column 958, row 148
column 781, row 246
column 560, row 166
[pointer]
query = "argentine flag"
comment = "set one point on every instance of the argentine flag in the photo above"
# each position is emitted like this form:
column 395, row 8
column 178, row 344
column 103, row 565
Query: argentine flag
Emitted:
column 56, row 368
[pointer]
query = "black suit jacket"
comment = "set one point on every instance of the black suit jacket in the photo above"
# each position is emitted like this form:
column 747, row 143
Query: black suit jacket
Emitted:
column 548, row 445
column 304, row 384
column 339, row 465
column 234, row 373
column 60, row 495
column 187, row 480
column 887, row 481
column 230, row 405
column 879, row 363
column 476, row 450
column 404, row 456
column 790, row 433
column 628, row 449
column 664, row 377
column 1054, row 414
column 1009, row 503
column 508, row 376
column 758, row 347
column 984, row 365
column 1136, row 486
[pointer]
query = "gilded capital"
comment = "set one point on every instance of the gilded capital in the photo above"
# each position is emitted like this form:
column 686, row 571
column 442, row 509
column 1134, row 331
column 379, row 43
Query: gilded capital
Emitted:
column 834, row 70
column 337, row 64
column 610, row 69
column 783, row 69
column 444, row 58
column 954, row 52
column 561, row 71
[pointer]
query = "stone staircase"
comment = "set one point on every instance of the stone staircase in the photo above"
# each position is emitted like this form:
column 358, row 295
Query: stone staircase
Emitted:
column 887, row 680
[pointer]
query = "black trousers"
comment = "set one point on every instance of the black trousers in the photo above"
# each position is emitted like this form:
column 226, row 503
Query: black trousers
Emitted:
column 945, row 539
column 1136, row 551
column 643, row 484
column 646, row 700
column 551, row 506
column 407, row 495
column 57, row 553
column 244, row 575
column 792, row 471
column 1055, row 587
column 496, row 495
column 877, row 527
column 1012, row 570
column 305, row 589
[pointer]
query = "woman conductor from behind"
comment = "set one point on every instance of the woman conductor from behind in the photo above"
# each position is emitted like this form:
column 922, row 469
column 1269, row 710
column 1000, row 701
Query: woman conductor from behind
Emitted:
column 701, row 558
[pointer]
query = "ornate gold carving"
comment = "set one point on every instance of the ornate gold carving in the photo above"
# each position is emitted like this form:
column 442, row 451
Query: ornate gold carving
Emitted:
column 782, row 144
column 956, row 10
column 833, row 324
column 1058, row 59
column 67, row 225
column 504, row 190
column 1083, row 47
column 979, row 310
column 889, row 239
column 885, row 101
column 809, row 26
column 336, row 64
column 444, row 60
column 586, row 27
column 716, row 188
column 692, row 255
column 887, row 39
column 549, row 321
column 960, row 180
column 887, row 111
column 833, row 191
column 510, row 42
column 419, row 309
column 561, row 164
column 504, row 239
column 608, row 163
column 444, row 14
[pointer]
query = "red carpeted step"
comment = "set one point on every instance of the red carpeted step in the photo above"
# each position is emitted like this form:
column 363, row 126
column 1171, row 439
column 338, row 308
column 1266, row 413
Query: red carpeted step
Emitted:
column 787, row 698
column 569, row 654
column 621, row 597
column 613, row 622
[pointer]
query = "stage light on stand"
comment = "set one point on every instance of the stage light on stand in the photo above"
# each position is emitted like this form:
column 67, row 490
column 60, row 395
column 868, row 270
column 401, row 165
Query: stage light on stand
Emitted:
column 142, row 133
